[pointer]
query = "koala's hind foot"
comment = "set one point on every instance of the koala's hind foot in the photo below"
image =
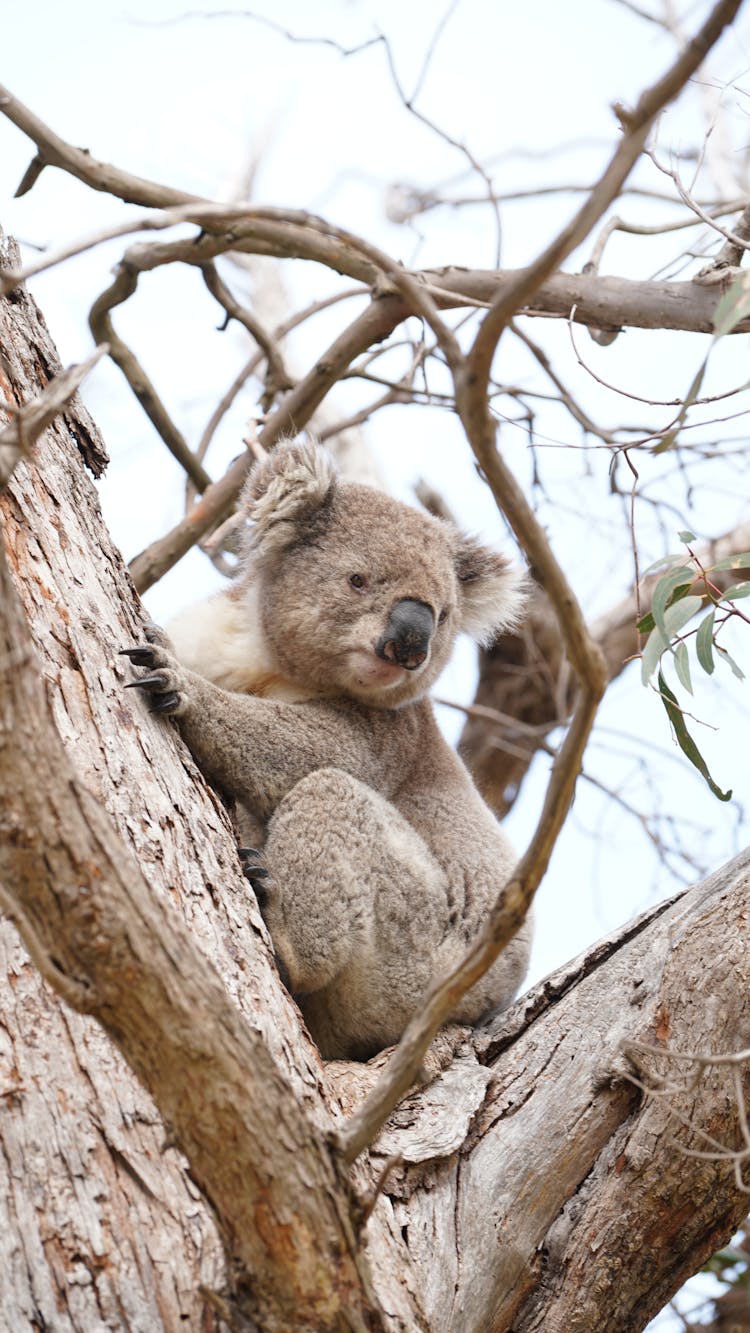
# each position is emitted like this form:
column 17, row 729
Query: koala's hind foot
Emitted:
column 256, row 872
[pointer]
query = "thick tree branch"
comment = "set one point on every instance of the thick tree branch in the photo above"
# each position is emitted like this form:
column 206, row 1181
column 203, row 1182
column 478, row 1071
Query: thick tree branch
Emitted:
column 55, row 152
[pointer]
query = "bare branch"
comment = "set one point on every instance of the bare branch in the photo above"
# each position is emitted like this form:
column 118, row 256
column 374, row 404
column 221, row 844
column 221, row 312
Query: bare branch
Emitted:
column 125, row 283
column 278, row 379
column 585, row 656
column 290, row 417
column 55, row 152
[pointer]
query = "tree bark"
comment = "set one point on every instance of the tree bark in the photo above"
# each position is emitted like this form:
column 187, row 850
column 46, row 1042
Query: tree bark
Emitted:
column 536, row 1187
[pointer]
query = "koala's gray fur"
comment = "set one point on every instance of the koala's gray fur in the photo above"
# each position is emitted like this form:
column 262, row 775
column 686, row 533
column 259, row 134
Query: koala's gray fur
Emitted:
column 384, row 860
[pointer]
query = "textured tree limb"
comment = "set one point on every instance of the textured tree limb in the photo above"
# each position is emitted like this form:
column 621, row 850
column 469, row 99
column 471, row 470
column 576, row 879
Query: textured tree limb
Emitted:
column 32, row 418
column 732, row 251
column 55, row 152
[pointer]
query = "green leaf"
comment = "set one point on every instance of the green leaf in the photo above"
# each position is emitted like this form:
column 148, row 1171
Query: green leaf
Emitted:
column 653, row 648
column 667, row 562
column 682, row 666
column 733, row 307
column 647, row 622
column 736, row 591
column 679, row 613
column 736, row 670
column 739, row 561
column 666, row 592
column 704, row 643
column 658, row 641
column 686, row 536
column 685, row 740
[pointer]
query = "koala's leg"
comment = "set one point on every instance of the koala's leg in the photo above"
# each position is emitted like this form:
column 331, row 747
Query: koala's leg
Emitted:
column 357, row 909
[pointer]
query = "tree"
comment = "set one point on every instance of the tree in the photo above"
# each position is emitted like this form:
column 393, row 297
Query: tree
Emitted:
column 529, row 1183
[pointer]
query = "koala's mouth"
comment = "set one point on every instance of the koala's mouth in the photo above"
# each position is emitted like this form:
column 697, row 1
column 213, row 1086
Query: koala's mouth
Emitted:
column 371, row 672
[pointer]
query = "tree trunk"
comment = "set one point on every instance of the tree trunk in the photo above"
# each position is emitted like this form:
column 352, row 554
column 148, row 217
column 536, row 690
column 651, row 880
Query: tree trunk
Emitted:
column 537, row 1188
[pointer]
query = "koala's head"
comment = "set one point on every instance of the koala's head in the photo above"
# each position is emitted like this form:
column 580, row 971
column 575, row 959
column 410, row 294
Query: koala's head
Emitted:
column 362, row 595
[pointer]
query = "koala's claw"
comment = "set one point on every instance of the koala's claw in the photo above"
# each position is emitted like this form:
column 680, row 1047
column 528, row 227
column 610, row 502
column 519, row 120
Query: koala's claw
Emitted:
column 249, row 854
column 165, row 703
column 156, row 682
column 257, row 874
column 160, row 684
column 140, row 656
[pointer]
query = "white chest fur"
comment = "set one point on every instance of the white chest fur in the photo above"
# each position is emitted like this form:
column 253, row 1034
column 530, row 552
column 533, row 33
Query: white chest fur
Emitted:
column 222, row 639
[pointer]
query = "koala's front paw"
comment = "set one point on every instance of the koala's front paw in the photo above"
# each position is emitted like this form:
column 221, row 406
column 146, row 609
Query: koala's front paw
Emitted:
column 166, row 684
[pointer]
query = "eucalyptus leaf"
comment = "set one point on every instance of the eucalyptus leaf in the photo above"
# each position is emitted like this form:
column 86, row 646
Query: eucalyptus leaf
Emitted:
column 704, row 643
column 682, row 666
column 653, row 648
column 739, row 561
column 736, row 670
column 666, row 592
column 667, row 562
column 680, row 613
column 736, row 591
column 685, row 740
column 733, row 307
column 658, row 640
column 686, row 536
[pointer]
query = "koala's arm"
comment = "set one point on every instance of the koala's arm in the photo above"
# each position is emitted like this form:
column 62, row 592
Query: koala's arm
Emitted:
column 254, row 749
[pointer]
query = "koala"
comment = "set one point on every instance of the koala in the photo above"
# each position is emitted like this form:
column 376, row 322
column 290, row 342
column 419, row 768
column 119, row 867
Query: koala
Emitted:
column 302, row 694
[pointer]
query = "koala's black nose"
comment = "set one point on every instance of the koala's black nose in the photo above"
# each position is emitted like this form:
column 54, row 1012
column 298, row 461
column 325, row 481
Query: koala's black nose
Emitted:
column 406, row 639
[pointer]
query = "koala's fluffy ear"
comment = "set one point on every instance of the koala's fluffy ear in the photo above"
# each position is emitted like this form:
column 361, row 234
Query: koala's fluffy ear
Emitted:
column 284, row 489
column 492, row 592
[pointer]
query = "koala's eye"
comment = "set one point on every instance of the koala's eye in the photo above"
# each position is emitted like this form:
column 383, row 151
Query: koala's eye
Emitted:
column 443, row 616
column 357, row 581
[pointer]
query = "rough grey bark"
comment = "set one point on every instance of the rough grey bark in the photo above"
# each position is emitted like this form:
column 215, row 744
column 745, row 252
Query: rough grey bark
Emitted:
column 537, row 1189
